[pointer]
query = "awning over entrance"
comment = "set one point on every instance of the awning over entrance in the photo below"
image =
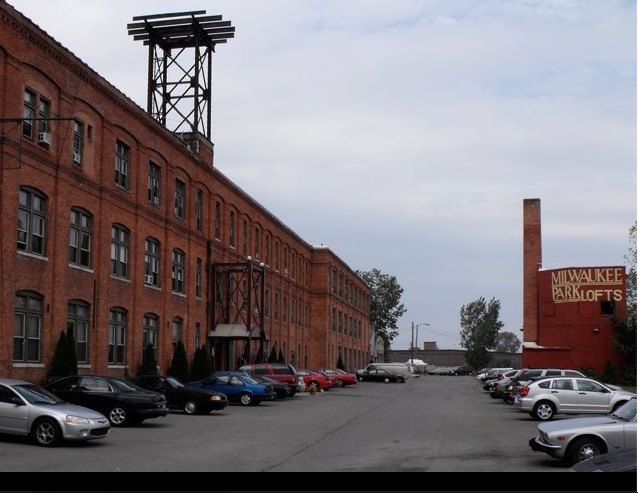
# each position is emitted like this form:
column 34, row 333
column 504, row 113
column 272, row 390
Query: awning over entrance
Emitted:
column 235, row 331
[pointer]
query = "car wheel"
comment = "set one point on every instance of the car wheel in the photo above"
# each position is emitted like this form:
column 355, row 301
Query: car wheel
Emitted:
column 46, row 432
column 118, row 416
column 245, row 399
column 190, row 407
column 360, row 379
column 341, row 383
column 315, row 385
column 401, row 380
column 386, row 380
column 543, row 411
column 583, row 448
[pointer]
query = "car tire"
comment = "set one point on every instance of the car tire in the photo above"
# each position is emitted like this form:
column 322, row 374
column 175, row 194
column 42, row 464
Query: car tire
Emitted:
column 386, row 380
column 191, row 407
column 543, row 411
column 401, row 380
column 583, row 448
column 316, row 385
column 118, row 416
column 360, row 379
column 245, row 399
column 341, row 383
column 46, row 432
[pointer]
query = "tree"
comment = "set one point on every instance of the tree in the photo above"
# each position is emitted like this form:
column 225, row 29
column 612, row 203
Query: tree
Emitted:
column 272, row 357
column 385, row 304
column 149, row 362
column 70, row 351
column 480, row 325
column 65, row 361
column 202, row 365
column 179, row 363
column 340, row 364
column 280, row 358
column 507, row 342
column 624, row 338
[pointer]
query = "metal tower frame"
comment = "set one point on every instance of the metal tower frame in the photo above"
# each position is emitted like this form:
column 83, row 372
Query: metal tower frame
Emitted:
column 179, row 96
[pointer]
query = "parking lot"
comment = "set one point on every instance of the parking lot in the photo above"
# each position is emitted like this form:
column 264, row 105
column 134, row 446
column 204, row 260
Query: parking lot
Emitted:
column 429, row 424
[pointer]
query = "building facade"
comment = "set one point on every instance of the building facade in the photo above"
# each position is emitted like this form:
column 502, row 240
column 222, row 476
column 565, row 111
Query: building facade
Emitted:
column 567, row 312
column 127, row 234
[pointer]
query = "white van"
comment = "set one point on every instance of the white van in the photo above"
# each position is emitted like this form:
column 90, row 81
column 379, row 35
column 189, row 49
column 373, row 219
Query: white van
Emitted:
column 401, row 369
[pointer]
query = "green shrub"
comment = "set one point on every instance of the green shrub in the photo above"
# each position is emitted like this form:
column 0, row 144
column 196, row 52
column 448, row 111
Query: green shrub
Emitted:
column 179, row 363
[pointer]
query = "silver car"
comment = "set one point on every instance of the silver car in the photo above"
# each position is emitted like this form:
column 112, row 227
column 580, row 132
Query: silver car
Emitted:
column 28, row 409
column 545, row 398
column 577, row 439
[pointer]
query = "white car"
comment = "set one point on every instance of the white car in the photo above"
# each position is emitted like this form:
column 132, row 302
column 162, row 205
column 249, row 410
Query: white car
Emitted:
column 28, row 409
column 545, row 398
column 576, row 439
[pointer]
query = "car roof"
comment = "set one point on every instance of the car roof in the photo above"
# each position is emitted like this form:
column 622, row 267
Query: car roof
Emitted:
column 15, row 381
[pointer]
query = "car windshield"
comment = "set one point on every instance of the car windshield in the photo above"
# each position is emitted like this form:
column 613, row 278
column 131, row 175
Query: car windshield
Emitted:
column 626, row 412
column 124, row 386
column 174, row 382
column 36, row 395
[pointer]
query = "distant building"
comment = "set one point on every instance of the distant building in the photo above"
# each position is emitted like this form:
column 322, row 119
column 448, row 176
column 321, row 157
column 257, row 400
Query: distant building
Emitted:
column 568, row 311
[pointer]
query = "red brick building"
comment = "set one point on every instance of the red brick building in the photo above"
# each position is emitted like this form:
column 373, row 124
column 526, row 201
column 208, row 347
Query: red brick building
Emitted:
column 126, row 232
column 567, row 312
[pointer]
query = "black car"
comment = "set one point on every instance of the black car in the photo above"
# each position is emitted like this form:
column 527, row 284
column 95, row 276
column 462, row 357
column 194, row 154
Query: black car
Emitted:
column 619, row 460
column 121, row 401
column 378, row 375
column 281, row 388
column 188, row 399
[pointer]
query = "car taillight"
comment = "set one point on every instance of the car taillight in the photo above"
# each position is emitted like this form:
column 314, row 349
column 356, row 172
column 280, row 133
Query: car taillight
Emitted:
column 524, row 391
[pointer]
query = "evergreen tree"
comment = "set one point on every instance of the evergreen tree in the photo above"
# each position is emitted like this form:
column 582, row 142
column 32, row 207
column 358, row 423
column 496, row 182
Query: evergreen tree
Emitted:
column 71, row 355
column 202, row 364
column 340, row 364
column 57, row 363
column 179, row 363
column 272, row 358
column 280, row 358
column 149, row 362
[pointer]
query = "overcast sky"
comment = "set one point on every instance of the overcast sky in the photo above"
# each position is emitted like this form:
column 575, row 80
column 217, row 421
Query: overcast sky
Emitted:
column 405, row 135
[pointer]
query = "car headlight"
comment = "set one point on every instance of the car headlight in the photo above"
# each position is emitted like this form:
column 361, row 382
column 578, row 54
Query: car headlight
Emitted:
column 77, row 420
column 216, row 398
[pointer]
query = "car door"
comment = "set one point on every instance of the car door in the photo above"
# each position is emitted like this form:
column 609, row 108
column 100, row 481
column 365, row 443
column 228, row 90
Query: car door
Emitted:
column 13, row 416
column 592, row 397
column 566, row 395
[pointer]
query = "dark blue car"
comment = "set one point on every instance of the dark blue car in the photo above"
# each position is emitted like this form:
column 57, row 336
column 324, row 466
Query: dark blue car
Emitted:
column 239, row 387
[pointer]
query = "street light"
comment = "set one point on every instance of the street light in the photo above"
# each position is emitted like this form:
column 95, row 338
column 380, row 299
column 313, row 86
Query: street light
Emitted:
column 417, row 338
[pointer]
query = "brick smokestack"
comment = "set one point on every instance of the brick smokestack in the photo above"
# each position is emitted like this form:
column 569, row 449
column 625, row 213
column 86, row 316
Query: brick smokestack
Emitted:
column 532, row 262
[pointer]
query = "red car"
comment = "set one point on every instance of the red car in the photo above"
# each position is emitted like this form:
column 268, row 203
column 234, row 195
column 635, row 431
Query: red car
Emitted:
column 314, row 379
column 342, row 377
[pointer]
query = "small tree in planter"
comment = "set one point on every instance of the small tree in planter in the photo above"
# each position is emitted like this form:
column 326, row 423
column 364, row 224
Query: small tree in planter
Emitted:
column 149, row 362
column 272, row 358
column 179, row 363
column 340, row 364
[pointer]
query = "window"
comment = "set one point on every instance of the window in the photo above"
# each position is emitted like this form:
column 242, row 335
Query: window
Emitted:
column 198, row 330
column 198, row 278
column 607, row 307
column 244, row 247
column 267, row 250
column 151, row 262
column 77, row 321
column 257, row 243
column 154, row 183
column 180, row 198
column 44, row 111
column 285, row 310
column 199, row 211
column 218, row 218
column 178, row 267
column 118, row 319
column 27, row 327
column 80, row 234
column 276, row 307
column 31, row 221
column 122, row 163
column 276, row 255
column 78, row 141
column 120, row 238
column 176, row 330
column 232, row 229
column 28, row 113
column 149, row 331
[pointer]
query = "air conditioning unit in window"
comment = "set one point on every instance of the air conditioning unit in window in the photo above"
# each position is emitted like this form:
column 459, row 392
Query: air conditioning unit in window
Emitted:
column 77, row 157
column 45, row 138
column 148, row 279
